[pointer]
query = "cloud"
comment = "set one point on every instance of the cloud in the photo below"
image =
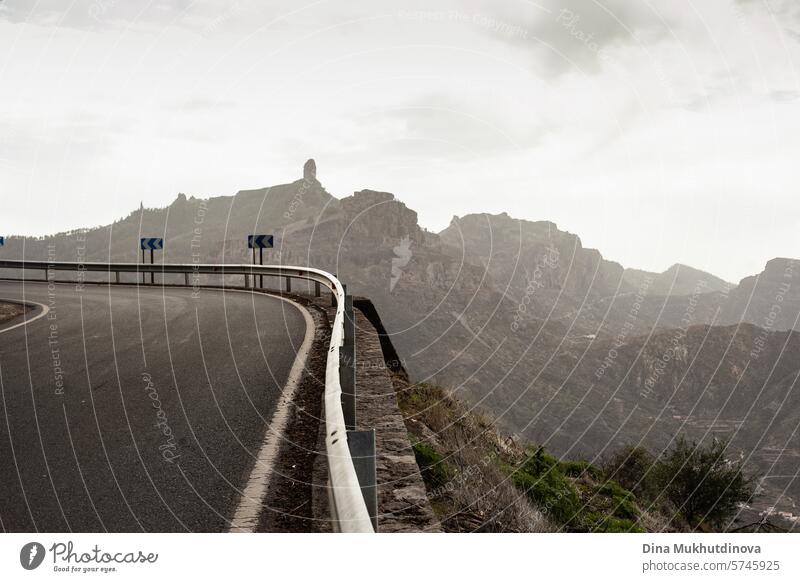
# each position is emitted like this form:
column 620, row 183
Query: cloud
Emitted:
column 199, row 15
column 575, row 35
column 82, row 14
column 478, row 125
column 202, row 104
column 79, row 135
column 788, row 96
column 714, row 93
column 773, row 6
column 788, row 12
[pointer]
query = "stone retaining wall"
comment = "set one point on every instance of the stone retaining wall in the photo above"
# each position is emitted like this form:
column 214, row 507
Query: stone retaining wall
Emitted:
column 402, row 502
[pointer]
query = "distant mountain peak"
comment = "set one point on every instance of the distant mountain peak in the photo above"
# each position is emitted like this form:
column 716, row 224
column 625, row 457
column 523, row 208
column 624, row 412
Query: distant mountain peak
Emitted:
column 678, row 267
column 780, row 265
column 679, row 279
column 502, row 219
column 779, row 269
column 310, row 170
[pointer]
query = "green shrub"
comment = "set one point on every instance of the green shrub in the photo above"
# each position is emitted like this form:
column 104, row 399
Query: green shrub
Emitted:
column 543, row 480
column 634, row 469
column 432, row 465
column 601, row 523
column 623, row 502
column 702, row 483
column 578, row 468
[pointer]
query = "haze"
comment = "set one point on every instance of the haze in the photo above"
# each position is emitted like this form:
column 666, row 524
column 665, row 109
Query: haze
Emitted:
column 660, row 132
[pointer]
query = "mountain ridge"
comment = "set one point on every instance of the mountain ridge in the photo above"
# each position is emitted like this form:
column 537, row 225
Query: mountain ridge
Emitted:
column 515, row 315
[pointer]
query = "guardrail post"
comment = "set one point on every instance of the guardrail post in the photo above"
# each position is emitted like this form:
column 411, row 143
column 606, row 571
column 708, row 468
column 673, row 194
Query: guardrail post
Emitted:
column 317, row 289
column 362, row 450
column 116, row 277
column 186, row 279
column 288, row 284
column 347, row 365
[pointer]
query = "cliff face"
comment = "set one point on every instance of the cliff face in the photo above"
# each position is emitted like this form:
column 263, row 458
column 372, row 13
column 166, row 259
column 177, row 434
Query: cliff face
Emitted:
column 377, row 218
column 525, row 256
column 431, row 301
column 770, row 299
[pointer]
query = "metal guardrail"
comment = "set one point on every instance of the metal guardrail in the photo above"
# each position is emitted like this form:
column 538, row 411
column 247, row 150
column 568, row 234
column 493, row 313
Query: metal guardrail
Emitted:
column 348, row 508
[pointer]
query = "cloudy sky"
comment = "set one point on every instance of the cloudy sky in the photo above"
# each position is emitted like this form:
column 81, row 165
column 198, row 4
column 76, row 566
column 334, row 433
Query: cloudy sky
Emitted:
column 659, row 131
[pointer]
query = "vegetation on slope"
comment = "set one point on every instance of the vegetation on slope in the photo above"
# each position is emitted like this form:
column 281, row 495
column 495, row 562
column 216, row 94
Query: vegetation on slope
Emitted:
column 478, row 480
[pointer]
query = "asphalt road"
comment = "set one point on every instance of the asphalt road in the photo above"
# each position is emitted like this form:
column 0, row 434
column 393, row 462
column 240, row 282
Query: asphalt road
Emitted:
column 127, row 409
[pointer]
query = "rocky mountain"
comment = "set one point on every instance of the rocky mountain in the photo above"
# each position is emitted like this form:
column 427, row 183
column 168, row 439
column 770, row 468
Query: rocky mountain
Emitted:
column 518, row 317
column 677, row 280
column 213, row 229
column 534, row 261
column 734, row 382
column 770, row 299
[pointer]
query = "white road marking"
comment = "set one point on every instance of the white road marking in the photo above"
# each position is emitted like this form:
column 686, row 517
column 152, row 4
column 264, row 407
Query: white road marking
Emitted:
column 249, row 508
column 45, row 311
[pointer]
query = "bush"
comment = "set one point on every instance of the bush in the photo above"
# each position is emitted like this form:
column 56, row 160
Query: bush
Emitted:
column 704, row 486
column 634, row 469
column 544, row 482
column 432, row 465
column 600, row 523
column 578, row 468
column 622, row 501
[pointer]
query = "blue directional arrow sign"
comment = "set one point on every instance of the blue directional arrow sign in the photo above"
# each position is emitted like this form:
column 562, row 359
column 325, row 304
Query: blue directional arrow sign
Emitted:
column 152, row 244
column 259, row 241
column 2, row 241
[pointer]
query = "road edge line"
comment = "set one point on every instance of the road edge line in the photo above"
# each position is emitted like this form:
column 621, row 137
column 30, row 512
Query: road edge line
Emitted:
column 248, row 509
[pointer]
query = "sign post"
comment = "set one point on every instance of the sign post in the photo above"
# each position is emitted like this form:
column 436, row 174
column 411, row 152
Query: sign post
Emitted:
column 151, row 244
column 260, row 242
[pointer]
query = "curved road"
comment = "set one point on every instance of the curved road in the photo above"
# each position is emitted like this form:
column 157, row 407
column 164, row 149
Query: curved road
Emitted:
column 136, row 409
